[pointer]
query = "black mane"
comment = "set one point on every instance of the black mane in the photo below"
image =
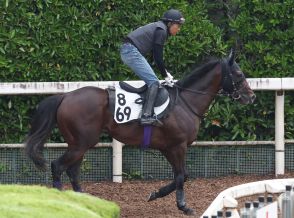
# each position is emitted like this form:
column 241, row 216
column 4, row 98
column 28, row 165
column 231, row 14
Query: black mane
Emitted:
column 197, row 73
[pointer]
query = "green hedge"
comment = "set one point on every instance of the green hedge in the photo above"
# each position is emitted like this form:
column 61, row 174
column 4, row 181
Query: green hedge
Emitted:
column 63, row 40
column 264, row 33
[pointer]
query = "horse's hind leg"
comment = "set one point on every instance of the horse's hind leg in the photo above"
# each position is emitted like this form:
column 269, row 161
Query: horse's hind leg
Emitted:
column 73, row 172
column 56, row 172
column 61, row 164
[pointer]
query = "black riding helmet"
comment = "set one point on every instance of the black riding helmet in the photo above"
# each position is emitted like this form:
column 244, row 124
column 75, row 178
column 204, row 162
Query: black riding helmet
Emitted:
column 173, row 16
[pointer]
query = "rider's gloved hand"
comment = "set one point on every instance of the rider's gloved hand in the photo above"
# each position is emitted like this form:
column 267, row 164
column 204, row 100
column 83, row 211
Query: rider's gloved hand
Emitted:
column 169, row 79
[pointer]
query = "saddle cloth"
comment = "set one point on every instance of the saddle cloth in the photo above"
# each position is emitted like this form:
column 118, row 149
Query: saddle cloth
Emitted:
column 127, row 106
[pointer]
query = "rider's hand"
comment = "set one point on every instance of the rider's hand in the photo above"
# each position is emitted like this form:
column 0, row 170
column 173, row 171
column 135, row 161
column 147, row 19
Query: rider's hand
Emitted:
column 169, row 80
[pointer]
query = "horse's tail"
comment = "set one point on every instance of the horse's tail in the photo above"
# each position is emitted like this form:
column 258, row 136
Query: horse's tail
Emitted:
column 42, row 124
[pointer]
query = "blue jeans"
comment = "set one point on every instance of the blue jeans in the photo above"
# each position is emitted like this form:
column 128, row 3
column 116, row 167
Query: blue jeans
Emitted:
column 131, row 56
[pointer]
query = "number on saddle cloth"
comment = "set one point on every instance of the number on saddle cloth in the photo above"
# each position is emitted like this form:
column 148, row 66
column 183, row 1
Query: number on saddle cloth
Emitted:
column 127, row 106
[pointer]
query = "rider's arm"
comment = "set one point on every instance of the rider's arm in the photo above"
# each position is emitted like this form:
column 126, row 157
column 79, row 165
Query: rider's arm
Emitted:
column 159, row 39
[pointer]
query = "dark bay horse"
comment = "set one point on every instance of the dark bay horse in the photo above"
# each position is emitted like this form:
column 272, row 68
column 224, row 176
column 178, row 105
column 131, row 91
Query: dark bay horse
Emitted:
column 83, row 114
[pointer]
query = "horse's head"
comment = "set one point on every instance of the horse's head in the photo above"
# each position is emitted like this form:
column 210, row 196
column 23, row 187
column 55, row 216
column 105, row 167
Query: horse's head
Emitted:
column 234, row 82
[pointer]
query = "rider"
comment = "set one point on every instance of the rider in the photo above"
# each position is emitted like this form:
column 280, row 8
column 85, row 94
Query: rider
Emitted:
column 150, row 39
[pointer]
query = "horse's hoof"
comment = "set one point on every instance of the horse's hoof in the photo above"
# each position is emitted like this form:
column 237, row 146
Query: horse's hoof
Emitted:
column 79, row 190
column 189, row 212
column 57, row 185
column 152, row 196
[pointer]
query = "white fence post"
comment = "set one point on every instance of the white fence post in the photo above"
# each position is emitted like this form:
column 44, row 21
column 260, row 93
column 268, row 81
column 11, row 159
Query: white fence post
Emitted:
column 117, row 161
column 279, row 133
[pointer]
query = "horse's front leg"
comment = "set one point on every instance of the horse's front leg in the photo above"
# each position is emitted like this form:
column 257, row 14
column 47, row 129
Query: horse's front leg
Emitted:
column 180, row 194
column 176, row 157
column 165, row 190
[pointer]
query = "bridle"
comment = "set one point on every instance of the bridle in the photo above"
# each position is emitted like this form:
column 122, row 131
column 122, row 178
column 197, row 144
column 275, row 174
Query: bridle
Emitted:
column 229, row 87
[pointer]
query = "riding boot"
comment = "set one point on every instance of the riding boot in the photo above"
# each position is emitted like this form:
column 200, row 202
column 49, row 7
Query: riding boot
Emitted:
column 147, row 117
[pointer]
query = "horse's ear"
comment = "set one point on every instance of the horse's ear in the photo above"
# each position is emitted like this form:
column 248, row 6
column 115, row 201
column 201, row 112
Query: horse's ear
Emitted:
column 231, row 57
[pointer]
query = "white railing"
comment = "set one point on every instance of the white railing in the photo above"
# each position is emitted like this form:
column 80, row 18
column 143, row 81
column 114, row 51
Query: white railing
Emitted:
column 228, row 198
column 279, row 85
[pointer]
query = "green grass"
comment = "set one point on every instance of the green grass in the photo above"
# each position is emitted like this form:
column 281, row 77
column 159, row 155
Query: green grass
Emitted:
column 18, row 201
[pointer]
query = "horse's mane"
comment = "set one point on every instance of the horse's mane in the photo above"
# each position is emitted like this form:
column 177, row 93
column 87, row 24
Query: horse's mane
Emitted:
column 197, row 73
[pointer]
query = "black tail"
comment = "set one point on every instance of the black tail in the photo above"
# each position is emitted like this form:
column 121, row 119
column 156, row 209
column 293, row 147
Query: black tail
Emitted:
column 42, row 124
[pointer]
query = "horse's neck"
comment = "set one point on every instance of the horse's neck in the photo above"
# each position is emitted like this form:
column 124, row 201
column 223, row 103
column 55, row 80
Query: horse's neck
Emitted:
column 209, row 86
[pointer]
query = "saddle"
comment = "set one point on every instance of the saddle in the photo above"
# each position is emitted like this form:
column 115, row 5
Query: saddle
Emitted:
column 162, row 94
column 126, row 102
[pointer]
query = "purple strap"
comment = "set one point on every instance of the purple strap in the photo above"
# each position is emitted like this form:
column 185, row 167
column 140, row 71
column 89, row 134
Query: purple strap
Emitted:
column 147, row 136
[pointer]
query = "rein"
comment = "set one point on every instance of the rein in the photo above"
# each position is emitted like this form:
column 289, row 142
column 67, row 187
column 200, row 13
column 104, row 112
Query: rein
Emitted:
column 201, row 92
column 194, row 90
column 234, row 93
column 190, row 108
column 227, row 75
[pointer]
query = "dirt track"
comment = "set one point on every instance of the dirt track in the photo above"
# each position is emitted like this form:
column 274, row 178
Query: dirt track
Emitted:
column 132, row 196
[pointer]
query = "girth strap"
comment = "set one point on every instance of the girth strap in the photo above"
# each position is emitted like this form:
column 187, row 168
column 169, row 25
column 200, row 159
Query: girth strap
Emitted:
column 147, row 136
